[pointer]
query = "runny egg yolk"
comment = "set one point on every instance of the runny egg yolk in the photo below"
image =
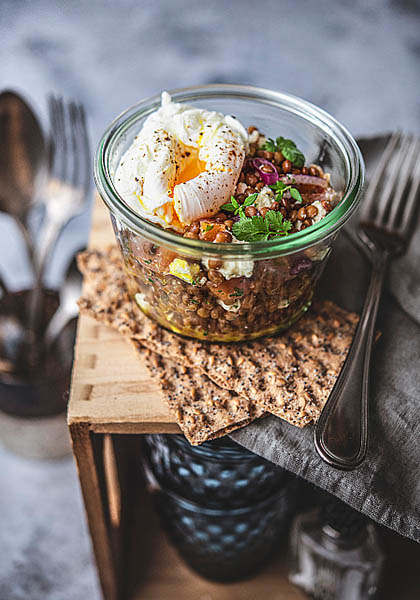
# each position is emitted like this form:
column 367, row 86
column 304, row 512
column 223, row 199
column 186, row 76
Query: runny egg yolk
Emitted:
column 190, row 167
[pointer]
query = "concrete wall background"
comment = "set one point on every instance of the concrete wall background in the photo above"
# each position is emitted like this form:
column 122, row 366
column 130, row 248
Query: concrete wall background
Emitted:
column 359, row 60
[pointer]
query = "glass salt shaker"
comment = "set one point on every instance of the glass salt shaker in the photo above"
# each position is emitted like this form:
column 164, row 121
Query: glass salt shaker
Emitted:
column 335, row 554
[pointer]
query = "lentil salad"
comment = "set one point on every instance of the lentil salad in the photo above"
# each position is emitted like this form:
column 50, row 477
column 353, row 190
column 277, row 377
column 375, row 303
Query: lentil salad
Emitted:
column 276, row 195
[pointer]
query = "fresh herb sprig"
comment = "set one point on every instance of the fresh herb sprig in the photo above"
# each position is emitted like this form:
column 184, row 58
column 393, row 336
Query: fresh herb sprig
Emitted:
column 288, row 148
column 280, row 188
column 256, row 229
column 236, row 208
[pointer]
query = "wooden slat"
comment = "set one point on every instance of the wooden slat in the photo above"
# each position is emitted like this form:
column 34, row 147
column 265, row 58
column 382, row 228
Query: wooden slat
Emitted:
column 96, row 508
column 111, row 388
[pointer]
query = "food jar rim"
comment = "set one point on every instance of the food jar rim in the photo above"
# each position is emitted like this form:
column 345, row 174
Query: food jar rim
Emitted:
column 187, row 504
column 233, row 512
column 301, row 240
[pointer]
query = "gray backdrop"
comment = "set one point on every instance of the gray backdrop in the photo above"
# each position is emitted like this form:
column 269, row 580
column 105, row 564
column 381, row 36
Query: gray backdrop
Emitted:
column 359, row 60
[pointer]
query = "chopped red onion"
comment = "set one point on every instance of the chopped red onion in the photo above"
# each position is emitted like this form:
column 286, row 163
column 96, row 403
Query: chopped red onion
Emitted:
column 301, row 264
column 267, row 178
column 304, row 180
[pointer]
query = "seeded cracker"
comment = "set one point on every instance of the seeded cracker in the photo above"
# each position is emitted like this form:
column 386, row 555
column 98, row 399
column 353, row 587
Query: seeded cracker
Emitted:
column 203, row 410
column 290, row 375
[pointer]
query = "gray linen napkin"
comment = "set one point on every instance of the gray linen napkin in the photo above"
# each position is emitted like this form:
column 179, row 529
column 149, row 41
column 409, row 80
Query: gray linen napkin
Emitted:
column 387, row 486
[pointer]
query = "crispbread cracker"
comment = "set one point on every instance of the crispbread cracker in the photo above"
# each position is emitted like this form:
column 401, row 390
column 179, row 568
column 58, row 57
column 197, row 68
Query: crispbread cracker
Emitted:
column 202, row 409
column 289, row 375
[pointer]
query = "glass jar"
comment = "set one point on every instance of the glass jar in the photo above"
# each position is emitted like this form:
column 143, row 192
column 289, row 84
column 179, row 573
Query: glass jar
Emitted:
column 273, row 281
column 335, row 554
column 219, row 473
column 224, row 544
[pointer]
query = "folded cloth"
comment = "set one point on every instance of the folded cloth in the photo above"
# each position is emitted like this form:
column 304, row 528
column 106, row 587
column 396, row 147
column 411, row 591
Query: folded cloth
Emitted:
column 387, row 486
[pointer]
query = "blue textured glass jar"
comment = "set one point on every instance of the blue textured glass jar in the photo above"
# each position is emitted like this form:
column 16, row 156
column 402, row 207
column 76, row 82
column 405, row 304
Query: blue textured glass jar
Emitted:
column 224, row 544
column 218, row 474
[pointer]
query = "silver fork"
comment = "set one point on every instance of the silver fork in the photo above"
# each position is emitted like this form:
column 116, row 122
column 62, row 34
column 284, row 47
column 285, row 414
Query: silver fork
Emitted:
column 67, row 191
column 341, row 434
column 69, row 181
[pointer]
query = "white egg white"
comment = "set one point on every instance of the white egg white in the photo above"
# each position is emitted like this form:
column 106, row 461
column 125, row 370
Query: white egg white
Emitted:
column 183, row 164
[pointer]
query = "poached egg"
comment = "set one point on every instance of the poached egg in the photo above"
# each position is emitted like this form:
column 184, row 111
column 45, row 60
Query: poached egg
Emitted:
column 183, row 164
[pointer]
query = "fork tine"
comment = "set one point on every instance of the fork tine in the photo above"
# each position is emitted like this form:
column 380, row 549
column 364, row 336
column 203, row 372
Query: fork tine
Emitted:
column 86, row 148
column 408, row 159
column 70, row 148
column 78, row 125
column 74, row 135
column 412, row 199
column 369, row 200
column 392, row 175
column 56, row 161
column 59, row 135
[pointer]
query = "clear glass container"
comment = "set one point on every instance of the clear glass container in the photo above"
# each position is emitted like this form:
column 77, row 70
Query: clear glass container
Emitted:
column 336, row 559
column 280, row 274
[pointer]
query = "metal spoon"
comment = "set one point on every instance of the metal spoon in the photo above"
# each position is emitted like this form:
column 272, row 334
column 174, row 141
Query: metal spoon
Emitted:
column 23, row 160
column 12, row 335
column 23, row 163
column 67, row 310
column 3, row 288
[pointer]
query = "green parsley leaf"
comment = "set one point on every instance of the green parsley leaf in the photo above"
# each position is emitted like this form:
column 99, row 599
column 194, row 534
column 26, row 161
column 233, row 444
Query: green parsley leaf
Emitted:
column 290, row 151
column 270, row 145
column 282, row 142
column 295, row 156
column 250, row 229
column 250, row 200
column 237, row 293
column 280, row 188
column 229, row 207
column 238, row 209
column 288, row 148
column 277, row 223
column 295, row 194
column 208, row 227
column 232, row 206
column 259, row 228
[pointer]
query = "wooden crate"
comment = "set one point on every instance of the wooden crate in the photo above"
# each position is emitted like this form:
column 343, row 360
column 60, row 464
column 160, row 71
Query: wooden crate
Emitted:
column 112, row 401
